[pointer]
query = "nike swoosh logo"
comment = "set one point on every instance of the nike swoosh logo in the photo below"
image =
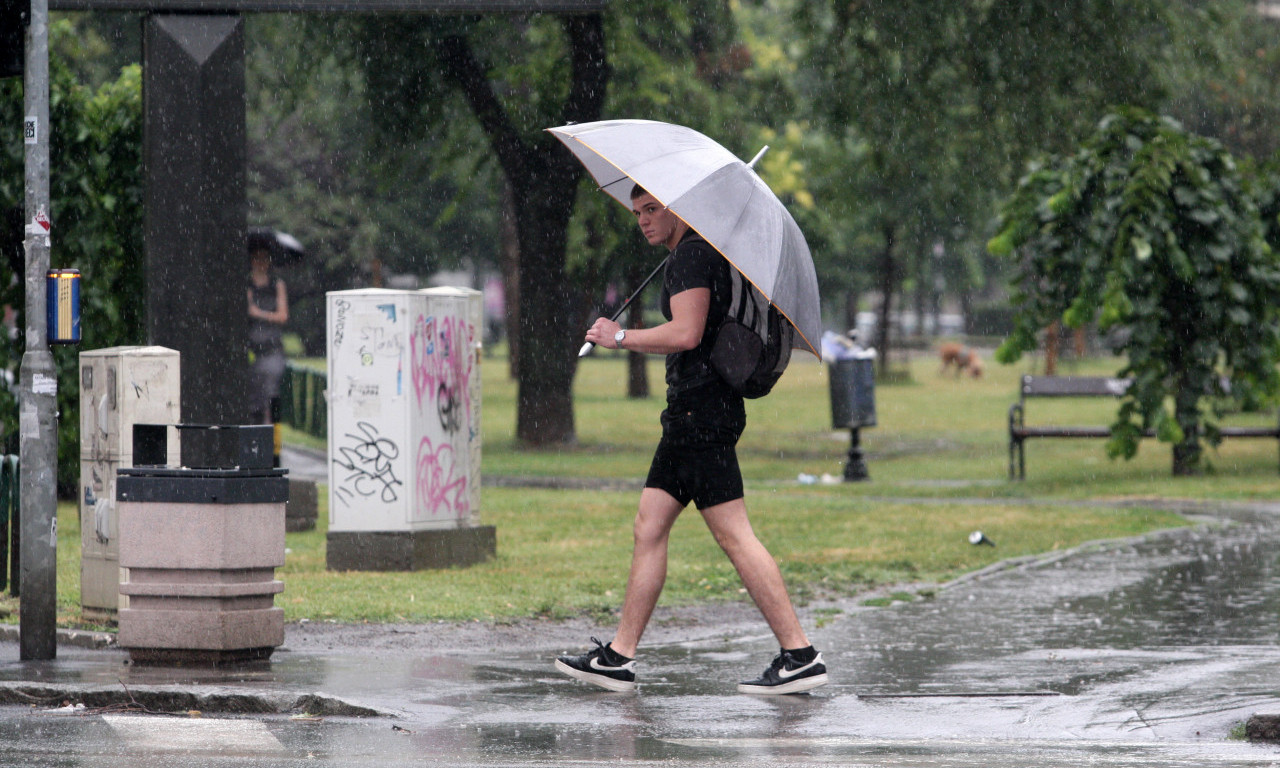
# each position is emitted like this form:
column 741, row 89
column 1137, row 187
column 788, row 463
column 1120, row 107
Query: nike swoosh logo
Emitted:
column 595, row 664
column 786, row 674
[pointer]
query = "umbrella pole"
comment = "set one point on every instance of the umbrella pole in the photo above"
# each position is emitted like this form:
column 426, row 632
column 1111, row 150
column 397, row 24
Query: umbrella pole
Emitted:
column 587, row 347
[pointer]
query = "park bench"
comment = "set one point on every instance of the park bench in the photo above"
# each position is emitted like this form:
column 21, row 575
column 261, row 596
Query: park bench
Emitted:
column 1081, row 386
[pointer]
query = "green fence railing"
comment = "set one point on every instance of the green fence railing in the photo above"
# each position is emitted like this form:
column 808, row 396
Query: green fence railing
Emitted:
column 302, row 403
column 9, row 527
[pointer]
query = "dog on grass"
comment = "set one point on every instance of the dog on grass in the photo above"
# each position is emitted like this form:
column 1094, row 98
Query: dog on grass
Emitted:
column 961, row 358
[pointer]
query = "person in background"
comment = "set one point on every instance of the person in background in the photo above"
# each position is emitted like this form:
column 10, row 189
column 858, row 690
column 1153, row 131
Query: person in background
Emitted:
column 268, row 312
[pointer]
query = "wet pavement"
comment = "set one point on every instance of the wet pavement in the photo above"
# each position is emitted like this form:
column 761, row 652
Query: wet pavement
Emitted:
column 1143, row 653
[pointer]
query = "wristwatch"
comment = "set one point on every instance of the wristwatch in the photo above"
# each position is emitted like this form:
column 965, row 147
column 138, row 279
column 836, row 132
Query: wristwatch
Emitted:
column 618, row 337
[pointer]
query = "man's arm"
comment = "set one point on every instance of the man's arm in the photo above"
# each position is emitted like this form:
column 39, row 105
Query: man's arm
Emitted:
column 683, row 332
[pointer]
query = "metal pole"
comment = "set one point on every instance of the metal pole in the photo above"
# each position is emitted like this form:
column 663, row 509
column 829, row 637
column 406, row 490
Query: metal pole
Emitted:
column 855, row 469
column 37, row 398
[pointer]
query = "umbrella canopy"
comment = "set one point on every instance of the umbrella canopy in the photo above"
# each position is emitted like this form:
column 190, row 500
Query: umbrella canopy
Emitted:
column 718, row 196
column 283, row 247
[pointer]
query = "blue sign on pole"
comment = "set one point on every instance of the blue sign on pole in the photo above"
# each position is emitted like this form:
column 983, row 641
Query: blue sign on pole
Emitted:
column 62, row 297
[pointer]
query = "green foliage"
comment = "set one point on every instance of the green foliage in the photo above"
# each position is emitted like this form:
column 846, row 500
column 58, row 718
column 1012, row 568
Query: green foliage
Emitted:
column 96, row 197
column 1150, row 230
column 1268, row 196
column 945, row 103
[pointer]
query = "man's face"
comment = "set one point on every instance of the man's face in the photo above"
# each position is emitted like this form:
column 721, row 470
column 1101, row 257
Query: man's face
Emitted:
column 658, row 225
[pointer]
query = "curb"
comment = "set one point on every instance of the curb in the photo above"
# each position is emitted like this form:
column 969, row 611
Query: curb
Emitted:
column 76, row 638
column 166, row 700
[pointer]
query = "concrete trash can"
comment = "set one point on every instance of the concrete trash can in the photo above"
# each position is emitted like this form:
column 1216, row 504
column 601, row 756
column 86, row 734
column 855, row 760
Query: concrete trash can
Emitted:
column 201, row 545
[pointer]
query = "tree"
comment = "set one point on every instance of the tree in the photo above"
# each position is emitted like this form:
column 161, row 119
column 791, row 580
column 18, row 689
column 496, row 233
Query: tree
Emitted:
column 360, row 214
column 517, row 75
column 947, row 102
column 421, row 67
column 96, row 194
column 1151, row 230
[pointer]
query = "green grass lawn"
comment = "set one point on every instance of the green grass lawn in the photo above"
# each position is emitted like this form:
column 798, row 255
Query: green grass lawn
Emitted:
column 940, row 445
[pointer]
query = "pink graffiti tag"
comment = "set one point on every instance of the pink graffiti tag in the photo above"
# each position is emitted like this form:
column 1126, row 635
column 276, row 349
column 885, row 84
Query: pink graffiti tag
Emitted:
column 422, row 347
column 438, row 490
column 441, row 367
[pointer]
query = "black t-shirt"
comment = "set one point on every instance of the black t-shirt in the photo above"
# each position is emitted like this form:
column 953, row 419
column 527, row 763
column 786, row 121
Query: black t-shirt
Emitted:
column 694, row 391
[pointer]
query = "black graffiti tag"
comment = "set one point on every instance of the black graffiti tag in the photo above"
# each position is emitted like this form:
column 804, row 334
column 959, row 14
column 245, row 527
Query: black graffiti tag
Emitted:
column 367, row 457
column 449, row 408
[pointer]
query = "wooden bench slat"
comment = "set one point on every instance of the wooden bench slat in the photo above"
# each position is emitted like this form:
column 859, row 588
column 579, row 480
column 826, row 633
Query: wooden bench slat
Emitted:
column 1062, row 431
column 1250, row 432
column 1083, row 386
column 1074, row 386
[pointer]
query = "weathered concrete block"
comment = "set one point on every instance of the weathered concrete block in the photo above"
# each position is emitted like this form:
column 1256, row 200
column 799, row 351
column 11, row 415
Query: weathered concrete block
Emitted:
column 304, row 505
column 410, row 550
column 196, row 536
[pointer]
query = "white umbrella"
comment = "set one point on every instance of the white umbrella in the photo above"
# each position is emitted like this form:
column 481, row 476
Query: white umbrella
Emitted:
column 718, row 196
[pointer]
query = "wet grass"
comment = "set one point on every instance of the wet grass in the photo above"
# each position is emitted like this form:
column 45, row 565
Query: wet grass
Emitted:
column 562, row 553
column 937, row 436
column 938, row 464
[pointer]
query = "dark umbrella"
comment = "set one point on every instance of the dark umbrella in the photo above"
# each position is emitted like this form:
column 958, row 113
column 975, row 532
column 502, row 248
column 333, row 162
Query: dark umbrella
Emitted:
column 283, row 247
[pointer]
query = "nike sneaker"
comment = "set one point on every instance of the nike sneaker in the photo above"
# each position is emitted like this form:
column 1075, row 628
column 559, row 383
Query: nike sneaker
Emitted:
column 791, row 672
column 601, row 666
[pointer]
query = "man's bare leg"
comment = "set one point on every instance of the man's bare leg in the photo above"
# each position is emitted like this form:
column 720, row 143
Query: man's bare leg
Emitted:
column 757, row 569
column 658, row 512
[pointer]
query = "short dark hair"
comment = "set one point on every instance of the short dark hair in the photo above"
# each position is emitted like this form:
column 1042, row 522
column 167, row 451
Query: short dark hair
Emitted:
column 637, row 191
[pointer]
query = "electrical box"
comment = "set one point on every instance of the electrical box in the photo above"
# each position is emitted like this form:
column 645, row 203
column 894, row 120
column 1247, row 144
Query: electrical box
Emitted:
column 404, row 409
column 119, row 387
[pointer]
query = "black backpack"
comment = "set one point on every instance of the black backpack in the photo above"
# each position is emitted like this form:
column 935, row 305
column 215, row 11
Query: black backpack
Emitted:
column 753, row 344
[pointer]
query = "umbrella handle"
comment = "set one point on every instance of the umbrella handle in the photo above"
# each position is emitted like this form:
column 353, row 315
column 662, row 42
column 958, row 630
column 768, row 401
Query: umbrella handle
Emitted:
column 587, row 347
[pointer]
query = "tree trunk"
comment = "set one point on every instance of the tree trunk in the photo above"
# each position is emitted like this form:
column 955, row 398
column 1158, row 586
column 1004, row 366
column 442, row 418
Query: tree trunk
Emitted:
column 544, row 179
column 851, row 310
column 920, row 296
column 510, row 261
column 548, row 328
column 888, row 284
column 637, row 362
column 1188, row 452
column 1052, row 337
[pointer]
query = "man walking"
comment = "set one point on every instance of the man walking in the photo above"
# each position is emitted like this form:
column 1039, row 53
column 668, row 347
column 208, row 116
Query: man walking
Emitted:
column 695, row 461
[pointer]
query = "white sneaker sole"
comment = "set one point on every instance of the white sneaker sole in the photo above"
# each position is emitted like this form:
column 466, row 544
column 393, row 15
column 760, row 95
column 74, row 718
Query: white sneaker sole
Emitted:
column 607, row 683
column 795, row 686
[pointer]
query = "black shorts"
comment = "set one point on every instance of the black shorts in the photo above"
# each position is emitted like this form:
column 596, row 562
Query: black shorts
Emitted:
column 696, row 459
column 706, row 474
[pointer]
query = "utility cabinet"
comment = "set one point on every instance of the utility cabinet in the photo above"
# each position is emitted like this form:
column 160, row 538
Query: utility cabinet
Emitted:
column 119, row 387
column 404, row 429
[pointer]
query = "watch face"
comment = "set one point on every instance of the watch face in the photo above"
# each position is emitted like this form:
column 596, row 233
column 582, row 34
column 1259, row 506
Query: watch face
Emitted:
column 619, row 336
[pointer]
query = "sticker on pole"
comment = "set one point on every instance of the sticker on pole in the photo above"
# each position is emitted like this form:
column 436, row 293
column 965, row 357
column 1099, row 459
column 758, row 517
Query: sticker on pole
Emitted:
column 44, row 385
column 31, row 129
column 40, row 224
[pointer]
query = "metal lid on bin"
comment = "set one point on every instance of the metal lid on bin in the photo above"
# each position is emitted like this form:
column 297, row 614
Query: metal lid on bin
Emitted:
column 202, row 486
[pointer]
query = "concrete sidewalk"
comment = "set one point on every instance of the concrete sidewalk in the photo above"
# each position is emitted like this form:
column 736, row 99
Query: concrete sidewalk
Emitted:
column 1146, row 652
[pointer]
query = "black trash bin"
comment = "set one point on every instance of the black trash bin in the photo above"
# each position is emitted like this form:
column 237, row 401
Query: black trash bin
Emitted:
column 853, row 404
column 853, row 393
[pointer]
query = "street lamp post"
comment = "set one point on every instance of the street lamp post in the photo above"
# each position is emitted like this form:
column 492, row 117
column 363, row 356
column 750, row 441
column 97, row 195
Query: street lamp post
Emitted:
column 38, row 382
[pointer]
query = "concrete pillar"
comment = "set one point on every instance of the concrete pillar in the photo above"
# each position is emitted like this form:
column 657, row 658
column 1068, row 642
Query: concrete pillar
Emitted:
column 194, row 155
